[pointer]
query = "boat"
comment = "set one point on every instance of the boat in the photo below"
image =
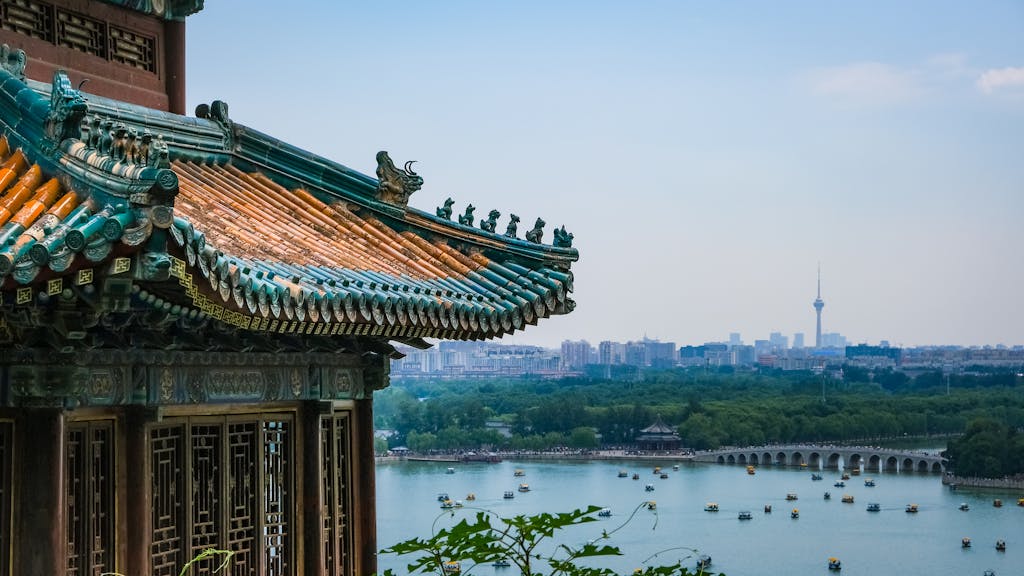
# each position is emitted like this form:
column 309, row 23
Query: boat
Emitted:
column 442, row 496
column 846, row 475
column 509, row 494
column 767, row 508
column 447, row 504
column 874, row 507
column 1020, row 502
column 816, row 477
column 795, row 513
column 470, row 497
column 703, row 562
column 657, row 469
column 451, row 567
column 847, row 499
column 855, row 471
column 524, row 488
column 636, row 476
column 711, row 507
column 649, row 488
column 965, row 542
column 997, row 503
column 652, row 505
column 828, row 495
column 988, row 573
column 964, row 506
column 663, row 476
column 745, row 515
column 911, row 508
column 450, row 470
column 751, row 470
column 501, row 563
column 840, row 484
column 1001, row 545
column 604, row 512
column 623, row 474
column 803, row 464
column 675, row 466
column 834, row 564
column 869, row 481
column 791, row 496
column 519, row 472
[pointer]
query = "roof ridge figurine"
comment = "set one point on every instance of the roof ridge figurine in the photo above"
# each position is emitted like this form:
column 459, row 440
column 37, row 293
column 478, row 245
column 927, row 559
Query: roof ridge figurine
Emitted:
column 395, row 185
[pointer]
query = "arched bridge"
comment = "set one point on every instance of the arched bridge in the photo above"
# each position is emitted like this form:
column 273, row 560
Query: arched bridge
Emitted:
column 820, row 457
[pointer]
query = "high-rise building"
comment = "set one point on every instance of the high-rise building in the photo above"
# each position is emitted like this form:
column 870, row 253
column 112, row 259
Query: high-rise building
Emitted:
column 798, row 340
column 735, row 340
column 778, row 342
column 818, row 305
column 575, row 355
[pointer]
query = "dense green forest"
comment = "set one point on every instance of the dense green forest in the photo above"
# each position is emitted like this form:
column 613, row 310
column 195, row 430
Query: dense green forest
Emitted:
column 710, row 409
column 988, row 449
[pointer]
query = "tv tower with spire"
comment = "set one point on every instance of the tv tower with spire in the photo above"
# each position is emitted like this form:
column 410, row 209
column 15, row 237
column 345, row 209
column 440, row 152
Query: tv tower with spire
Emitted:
column 818, row 305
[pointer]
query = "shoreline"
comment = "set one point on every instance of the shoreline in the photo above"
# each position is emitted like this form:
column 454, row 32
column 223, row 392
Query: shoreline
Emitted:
column 1009, row 483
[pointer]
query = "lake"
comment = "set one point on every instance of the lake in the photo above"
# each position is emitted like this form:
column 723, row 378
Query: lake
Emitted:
column 890, row 541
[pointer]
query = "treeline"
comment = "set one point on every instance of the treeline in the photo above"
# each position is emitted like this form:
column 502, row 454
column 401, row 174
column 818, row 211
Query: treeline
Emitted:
column 709, row 409
column 988, row 449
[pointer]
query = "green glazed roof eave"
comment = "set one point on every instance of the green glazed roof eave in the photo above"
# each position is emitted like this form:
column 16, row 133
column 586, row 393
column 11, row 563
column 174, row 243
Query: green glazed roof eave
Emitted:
column 206, row 140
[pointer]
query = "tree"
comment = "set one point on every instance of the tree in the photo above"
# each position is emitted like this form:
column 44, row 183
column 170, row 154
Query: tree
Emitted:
column 583, row 437
column 520, row 540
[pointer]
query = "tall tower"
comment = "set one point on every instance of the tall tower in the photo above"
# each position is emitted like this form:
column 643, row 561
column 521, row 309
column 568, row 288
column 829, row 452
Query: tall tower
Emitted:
column 818, row 305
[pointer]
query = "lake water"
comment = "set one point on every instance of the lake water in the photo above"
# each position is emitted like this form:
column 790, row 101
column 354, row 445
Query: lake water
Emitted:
column 868, row 543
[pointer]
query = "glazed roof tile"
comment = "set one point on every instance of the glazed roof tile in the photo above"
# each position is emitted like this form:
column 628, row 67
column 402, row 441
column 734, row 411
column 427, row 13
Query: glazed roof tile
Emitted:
column 255, row 233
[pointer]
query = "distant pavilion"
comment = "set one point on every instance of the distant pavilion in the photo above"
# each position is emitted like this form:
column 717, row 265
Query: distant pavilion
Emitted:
column 658, row 436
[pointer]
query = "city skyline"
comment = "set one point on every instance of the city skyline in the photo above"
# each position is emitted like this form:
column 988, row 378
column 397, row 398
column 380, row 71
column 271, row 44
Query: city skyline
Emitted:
column 705, row 157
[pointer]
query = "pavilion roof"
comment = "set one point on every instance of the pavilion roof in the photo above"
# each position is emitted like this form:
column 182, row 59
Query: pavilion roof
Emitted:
column 208, row 220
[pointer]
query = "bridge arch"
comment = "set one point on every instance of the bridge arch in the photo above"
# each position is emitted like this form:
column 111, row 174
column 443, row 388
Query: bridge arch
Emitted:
column 766, row 459
column 892, row 464
column 814, row 460
column 731, row 459
column 833, row 461
column 874, row 463
column 780, row 458
column 854, row 461
column 721, row 459
column 796, row 459
column 908, row 464
column 937, row 467
column 922, row 466
column 742, row 459
column 753, row 459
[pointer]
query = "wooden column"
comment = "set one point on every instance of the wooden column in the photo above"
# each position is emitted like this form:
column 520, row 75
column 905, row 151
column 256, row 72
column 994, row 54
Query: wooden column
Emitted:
column 366, row 488
column 312, row 504
column 39, row 547
column 136, row 482
column 174, row 65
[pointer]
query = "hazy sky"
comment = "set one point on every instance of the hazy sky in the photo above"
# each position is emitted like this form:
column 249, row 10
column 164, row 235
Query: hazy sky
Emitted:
column 706, row 155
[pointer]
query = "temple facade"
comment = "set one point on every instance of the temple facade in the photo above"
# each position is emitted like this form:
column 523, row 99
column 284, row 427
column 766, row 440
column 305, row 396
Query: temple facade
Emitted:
column 194, row 315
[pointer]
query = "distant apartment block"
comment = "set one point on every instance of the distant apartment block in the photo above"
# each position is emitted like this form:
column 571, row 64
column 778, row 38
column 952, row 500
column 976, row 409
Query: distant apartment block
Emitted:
column 630, row 359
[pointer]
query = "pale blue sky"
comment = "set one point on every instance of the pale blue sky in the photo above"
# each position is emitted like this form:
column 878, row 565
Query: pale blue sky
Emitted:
column 706, row 155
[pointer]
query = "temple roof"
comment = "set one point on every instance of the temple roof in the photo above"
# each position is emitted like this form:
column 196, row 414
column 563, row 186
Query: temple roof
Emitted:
column 205, row 220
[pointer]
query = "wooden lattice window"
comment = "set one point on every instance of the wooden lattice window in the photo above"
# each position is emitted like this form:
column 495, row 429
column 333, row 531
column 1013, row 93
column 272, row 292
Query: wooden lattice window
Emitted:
column 27, row 17
column 335, row 472
column 89, row 489
column 81, row 33
column 237, row 493
column 6, row 482
column 132, row 49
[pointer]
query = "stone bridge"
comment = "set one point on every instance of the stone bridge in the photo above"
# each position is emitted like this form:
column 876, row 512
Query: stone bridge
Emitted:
column 823, row 457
